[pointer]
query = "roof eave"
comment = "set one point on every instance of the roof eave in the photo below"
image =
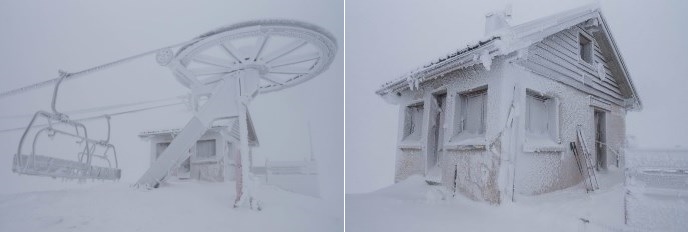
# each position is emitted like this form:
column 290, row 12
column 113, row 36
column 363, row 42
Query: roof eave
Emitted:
column 637, row 106
column 519, row 37
column 466, row 59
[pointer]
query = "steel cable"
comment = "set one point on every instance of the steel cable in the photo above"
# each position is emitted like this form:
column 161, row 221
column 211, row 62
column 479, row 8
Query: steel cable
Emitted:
column 103, row 116
column 74, row 75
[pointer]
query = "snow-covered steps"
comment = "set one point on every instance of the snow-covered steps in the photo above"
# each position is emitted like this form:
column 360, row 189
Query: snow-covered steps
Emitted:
column 434, row 176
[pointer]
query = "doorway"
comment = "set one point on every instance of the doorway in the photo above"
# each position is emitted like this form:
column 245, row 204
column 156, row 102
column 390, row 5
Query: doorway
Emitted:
column 600, row 140
column 436, row 132
column 184, row 170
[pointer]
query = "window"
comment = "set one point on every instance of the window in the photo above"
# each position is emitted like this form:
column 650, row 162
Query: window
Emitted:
column 541, row 117
column 230, row 153
column 205, row 148
column 470, row 113
column 413, row 121
column 586, row 50
column 159, row 148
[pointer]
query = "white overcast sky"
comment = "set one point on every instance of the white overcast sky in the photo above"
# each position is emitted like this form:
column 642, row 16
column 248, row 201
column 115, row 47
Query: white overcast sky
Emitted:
column 40, row 37
column 385, row 38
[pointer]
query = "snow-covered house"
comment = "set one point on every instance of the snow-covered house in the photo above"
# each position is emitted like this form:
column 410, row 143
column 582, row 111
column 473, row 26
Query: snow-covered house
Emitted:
column 213, row 158
column 495, row 119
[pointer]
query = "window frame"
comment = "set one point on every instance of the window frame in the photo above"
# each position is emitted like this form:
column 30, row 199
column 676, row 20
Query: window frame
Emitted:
column 546, row 102
column 214, row 149
column 460, row 137
column 551, row 139
column 589, row 46
column 462, row 115
column 413, row 126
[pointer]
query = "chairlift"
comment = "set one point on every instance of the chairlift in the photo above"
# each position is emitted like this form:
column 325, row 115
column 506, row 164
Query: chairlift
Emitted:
column 82, row 167
column 224, row 69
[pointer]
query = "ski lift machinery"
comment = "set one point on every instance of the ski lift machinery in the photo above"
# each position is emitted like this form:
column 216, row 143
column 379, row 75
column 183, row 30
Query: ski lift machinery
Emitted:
column 224, row 69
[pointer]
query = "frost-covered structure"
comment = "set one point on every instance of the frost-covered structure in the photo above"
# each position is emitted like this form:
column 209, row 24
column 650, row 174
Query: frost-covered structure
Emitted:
column 225, row 69
column 212, row 158
column 495, row 119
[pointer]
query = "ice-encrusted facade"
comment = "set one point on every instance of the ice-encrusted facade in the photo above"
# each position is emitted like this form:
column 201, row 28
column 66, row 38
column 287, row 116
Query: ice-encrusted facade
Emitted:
column 212, row 158
column 496, row 118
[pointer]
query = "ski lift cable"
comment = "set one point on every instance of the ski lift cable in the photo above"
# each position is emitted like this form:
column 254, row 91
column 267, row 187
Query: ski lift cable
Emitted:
column 103, row 116
column 103, row 108
column 70, row 76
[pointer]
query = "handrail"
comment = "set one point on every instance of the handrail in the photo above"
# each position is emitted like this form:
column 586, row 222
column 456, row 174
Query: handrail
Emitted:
column 606, row 145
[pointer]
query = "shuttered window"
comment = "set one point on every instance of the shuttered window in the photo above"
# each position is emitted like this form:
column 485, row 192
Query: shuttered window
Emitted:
column 537, row 118
column 586, row 48
column 542, row 117
column 413, row 121
column 470, row 113
column 205, row 148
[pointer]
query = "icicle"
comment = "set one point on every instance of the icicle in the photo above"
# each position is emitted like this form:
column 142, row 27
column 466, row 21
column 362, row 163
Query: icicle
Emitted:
column 413, row 82
column 486, row 59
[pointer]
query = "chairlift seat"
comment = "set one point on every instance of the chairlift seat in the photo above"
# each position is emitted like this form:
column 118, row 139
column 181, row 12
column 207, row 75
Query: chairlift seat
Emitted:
column 40, row 165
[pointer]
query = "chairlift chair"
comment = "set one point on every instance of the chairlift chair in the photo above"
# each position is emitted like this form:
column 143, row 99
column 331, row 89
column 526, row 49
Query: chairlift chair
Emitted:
column 82, row 167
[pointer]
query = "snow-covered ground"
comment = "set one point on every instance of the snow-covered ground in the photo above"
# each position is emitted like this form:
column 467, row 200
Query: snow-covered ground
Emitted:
column 177, row 206
column 412, row 205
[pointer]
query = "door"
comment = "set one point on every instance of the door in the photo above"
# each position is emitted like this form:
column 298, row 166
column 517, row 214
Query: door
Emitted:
column 600, row 140
column 184, row 171
column 436, row 131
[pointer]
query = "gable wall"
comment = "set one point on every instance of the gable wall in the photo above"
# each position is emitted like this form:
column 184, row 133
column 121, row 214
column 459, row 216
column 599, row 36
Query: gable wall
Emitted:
column 541, row 172
column 557, row 57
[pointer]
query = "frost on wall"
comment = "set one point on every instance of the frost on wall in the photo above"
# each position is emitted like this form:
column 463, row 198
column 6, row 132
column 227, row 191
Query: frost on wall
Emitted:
column 526, row 142
column 409, row 162
column 543, row 162
column 208, row 172
column 549, row 165
column 476, row 176
column 544, row 171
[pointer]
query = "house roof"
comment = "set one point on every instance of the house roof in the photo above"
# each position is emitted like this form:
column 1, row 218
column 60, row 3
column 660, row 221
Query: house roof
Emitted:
column 511, row 39
column 232, row 130
column 150, row 133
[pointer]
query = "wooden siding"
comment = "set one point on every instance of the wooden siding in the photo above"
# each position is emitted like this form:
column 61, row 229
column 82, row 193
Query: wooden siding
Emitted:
column 557, row 57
